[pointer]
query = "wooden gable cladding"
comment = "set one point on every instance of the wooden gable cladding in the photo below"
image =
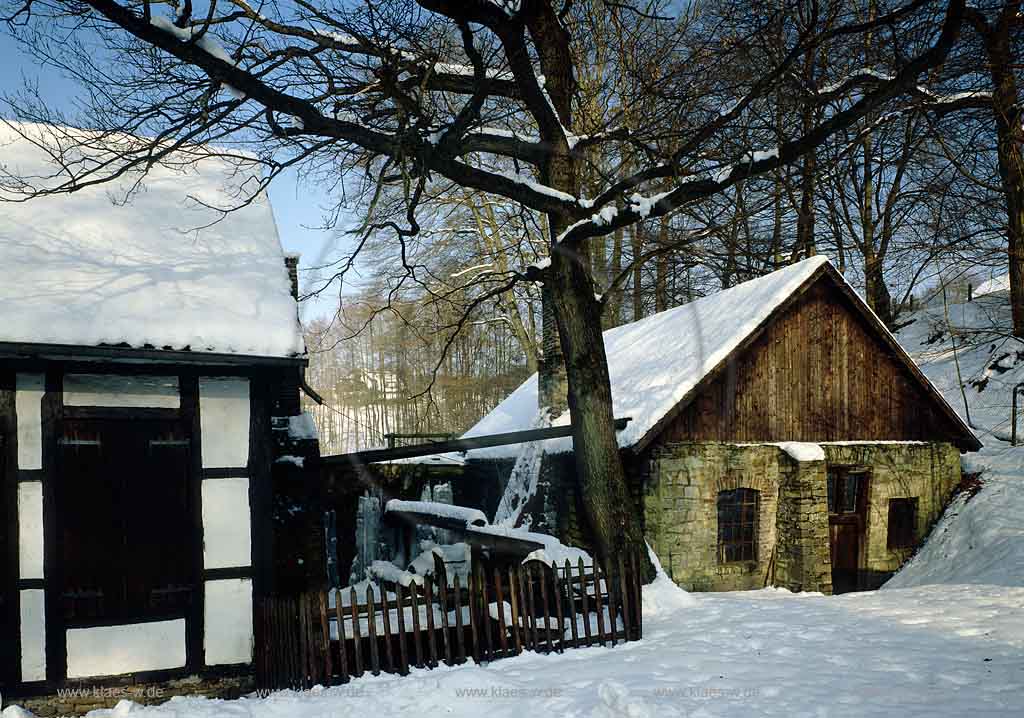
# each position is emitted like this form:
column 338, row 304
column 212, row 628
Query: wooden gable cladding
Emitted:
column 818, row 370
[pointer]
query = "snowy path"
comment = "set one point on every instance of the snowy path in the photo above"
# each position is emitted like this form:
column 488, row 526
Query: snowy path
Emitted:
column 928, row 651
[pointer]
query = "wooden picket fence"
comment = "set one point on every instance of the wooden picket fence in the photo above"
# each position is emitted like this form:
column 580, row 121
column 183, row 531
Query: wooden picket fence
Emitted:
column 310, row 639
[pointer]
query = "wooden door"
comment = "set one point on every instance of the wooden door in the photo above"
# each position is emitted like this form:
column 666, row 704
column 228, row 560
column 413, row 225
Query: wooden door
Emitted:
column 847, row 511
column 127, row 521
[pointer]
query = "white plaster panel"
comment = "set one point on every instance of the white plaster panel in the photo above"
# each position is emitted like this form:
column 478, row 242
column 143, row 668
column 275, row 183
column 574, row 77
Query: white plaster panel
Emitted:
column 33, row 635
column 29, row 389
column 224, row 421
column 30, row 529
column 226, row 537
column 229, row 633
column 122, row 391
column 115, row 650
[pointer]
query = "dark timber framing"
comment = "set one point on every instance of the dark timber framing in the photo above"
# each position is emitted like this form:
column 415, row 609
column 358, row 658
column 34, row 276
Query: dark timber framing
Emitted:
column 52, row 421
column 264, row 375
column 188, row 384
column 10, row 651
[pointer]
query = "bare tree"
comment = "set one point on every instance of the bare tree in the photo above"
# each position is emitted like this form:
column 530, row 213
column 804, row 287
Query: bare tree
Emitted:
column 406, row 94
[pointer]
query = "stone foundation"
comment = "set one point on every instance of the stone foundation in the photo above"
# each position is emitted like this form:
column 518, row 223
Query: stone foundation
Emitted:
column 78, row 698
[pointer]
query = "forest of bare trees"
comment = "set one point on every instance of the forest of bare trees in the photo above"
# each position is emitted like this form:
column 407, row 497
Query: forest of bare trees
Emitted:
column 526, row 173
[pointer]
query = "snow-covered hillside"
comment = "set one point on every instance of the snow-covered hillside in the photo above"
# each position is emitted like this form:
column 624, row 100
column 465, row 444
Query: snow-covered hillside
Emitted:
column 979, row 540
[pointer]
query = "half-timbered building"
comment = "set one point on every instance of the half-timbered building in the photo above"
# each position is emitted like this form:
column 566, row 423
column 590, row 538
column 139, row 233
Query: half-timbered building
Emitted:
column 144, row 349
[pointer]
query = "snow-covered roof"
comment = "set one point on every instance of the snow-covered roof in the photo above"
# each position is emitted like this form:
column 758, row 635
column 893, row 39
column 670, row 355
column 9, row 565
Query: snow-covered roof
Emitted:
column 157, row 271
column 655, row 362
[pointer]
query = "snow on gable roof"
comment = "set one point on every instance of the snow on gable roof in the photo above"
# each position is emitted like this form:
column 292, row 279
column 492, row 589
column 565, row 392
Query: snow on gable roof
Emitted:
column 654, row 362
column 159, row 270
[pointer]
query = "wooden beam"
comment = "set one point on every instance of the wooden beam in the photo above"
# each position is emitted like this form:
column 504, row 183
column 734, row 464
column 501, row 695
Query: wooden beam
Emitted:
column 71, row 352
column 370, row 456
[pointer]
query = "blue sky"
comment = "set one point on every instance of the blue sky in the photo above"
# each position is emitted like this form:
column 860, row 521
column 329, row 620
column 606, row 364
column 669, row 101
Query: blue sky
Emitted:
column 297, row 207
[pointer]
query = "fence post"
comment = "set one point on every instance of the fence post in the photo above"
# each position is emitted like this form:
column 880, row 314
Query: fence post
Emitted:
column 428, row 593
column 586, row 602
column 442, row 590
column 471, row 603
column 325, row 629
column 499, row 600
column 602, row 636
column 403, row 655
column 613, row 605
column 573, row 627
column 624, row 592
column 357, row 638
column 371, row 625
column 459, row 631
column 339, row 614
column 417, row 637
column 516, row 600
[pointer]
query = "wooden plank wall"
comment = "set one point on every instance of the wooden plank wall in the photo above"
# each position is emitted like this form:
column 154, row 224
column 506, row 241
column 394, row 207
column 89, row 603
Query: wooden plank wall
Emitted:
column 817, row 373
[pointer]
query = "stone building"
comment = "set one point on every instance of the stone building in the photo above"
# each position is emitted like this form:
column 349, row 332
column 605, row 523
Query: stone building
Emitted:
column 778, row 436
column 141, row 368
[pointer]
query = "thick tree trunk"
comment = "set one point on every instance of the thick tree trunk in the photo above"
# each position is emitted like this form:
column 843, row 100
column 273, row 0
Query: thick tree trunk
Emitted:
column 569, row 295
column 1008, row 117
column 805, row 246
column 551, row 386
column 610, row 510
column 878, row 296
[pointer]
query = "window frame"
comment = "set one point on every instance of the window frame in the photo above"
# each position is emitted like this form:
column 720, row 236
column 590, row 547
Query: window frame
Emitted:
column 837, row 489
column 747, row 505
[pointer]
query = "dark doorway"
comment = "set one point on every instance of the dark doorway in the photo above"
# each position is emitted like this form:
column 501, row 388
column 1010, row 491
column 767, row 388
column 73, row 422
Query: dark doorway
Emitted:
column 847, row 511
column 8, row 547
column 127, row 521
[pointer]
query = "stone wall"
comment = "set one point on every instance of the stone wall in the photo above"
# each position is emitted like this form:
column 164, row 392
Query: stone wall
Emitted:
column 928, row 471
column 681, row 515
column 803, row 557
column 682, row 482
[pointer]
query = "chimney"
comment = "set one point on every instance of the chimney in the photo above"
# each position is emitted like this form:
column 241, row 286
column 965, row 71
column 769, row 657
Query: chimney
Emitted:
column 291, row 262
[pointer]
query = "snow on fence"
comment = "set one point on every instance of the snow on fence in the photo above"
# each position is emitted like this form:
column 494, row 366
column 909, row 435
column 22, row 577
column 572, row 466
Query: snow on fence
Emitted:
column 309, row 639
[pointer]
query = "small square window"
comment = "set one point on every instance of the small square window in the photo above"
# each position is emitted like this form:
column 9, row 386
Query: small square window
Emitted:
column 902, row 523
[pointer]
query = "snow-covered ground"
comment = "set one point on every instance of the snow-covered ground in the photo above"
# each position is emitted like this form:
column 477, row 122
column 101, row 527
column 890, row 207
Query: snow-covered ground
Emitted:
column 945, row 637
column 930, row 651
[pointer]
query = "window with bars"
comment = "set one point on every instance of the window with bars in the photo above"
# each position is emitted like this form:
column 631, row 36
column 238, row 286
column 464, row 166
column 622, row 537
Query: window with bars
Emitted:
column 902, row 531
column 737, row 525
